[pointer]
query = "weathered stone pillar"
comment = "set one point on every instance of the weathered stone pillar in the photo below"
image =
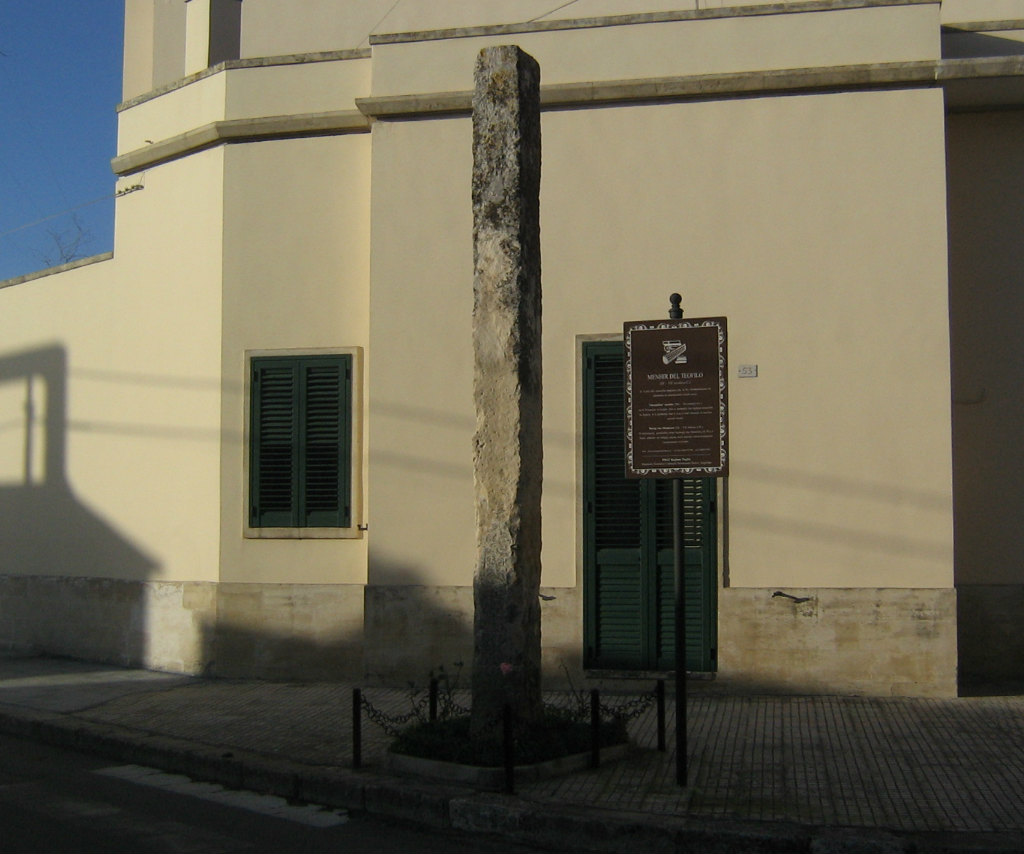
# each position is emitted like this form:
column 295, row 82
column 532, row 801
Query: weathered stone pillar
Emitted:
column 508, row 453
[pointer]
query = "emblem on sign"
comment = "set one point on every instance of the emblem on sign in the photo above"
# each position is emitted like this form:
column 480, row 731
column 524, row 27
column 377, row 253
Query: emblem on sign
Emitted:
column 674, row 351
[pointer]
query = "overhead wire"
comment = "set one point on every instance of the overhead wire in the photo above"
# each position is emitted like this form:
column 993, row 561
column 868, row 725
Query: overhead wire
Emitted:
column 383, row 17
column 42, row 189
column 552, row 11
column 395, row 4
column 73, row 208
column 60, row 214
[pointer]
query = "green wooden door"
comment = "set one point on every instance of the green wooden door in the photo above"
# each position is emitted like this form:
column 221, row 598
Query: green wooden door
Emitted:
column 629, row 587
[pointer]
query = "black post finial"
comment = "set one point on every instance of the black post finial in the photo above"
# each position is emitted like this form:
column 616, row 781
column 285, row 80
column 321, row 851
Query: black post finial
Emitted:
column 675, row 313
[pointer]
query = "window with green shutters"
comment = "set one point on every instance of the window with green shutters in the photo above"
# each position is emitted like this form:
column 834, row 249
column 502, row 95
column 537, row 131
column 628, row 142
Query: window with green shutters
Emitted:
column 629, row 584
column 300, row 430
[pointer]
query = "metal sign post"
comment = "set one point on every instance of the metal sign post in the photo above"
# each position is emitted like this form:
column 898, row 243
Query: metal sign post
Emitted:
column 676, row 427
column 678, row 564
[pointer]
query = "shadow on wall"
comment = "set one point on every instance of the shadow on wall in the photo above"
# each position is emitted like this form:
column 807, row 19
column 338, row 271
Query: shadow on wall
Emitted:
column 51, row 540
column 985, row 180
column 385, row 635
column 413, row 628
column 286, row 632
column 381, row 635
column 960, row 44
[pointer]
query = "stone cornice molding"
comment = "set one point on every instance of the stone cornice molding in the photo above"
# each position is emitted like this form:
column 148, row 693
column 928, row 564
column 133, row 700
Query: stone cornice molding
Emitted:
column 983, row 26
column 240, row 130
column 737, row 84
column 51, row 271
column 591, row 94
column 254, row 62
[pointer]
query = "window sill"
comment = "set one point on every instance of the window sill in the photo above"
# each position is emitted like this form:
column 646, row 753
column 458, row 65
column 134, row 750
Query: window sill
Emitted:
column 353, row 533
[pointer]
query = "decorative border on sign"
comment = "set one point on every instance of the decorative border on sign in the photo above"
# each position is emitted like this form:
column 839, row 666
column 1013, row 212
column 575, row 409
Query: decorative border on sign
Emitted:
column 698, row 471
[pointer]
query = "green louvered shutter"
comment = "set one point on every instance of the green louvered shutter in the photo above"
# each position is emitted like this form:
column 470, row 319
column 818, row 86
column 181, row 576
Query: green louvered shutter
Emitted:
column 629, row 596
column 325, row 444
column 274, row 475
column 300, row 443
column 614, row 630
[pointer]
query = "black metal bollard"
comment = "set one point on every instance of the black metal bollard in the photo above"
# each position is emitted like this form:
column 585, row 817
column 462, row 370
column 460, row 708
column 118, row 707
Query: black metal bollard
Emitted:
column 357, row 728
column 433, row 698
column 595, row 728
column 659, row 693
column 508, row 748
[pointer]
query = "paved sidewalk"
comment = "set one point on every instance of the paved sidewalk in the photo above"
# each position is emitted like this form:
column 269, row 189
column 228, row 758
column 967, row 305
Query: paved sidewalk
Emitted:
column 818, row 774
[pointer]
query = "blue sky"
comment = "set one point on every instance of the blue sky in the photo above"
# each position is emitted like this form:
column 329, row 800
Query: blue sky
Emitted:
column 60, row 80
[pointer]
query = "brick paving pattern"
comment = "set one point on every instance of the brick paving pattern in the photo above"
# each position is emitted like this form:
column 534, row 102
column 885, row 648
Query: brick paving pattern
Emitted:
column 900, row 764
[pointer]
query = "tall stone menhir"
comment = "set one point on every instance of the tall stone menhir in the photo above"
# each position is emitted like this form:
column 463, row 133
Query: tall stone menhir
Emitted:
column 507, row 453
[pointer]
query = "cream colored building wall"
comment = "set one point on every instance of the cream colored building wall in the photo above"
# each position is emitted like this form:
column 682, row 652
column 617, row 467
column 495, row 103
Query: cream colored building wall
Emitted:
column 425, row 15
column 141, row 434
column 137, row 75
column 829, row 261
column 421, row 367
column 175, row 112
column 270, row 29
column 243, row 93
column 291, row 275
column 154, row 44
column 314, row 87
column 816, row 224
column 709, row 46
column 296, row 268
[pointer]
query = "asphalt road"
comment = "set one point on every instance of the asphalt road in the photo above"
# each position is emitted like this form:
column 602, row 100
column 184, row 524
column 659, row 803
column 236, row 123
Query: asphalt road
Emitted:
column 54, row 801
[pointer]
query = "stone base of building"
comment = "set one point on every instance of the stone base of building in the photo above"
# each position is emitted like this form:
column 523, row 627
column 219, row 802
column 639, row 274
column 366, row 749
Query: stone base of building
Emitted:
column 309, row 632
column 823, row 641
column 159, row 625
column 880, row 642
column 269, row 631
column 412, row 630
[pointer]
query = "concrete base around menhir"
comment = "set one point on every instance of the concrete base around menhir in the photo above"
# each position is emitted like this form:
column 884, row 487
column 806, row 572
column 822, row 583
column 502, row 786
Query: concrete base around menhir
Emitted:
column 493, row 779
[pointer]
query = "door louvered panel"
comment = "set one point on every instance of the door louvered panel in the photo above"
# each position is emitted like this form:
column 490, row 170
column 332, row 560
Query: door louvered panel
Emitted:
column 697, row 504
column 699, row 643
column 619, row 595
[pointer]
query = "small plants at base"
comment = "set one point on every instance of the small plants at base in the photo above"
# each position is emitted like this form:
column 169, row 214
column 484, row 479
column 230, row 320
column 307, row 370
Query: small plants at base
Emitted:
column 553, row 736
column 564, row 728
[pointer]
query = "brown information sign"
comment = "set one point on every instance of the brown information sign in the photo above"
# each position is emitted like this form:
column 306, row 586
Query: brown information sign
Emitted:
column 676, row 398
